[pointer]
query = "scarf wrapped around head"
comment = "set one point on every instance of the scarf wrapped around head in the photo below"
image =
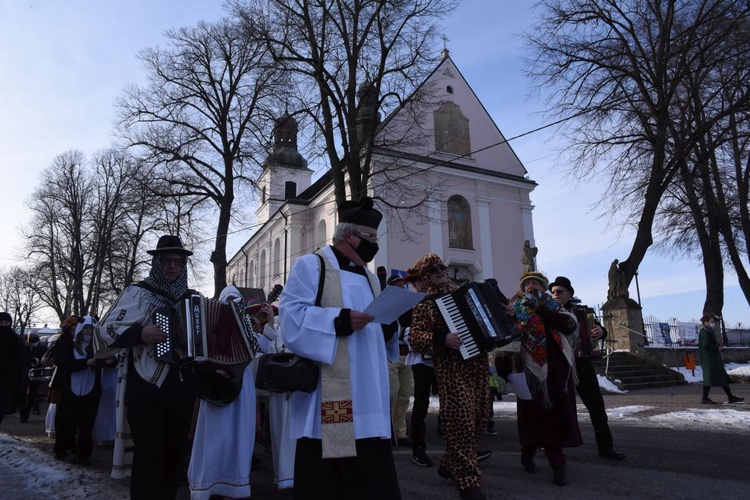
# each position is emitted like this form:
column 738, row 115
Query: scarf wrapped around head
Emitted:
column 158, row 279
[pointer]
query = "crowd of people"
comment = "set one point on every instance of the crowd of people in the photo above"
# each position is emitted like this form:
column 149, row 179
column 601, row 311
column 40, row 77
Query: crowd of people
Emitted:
column 112, row 384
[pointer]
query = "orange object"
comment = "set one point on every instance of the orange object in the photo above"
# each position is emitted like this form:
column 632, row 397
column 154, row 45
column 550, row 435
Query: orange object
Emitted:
column 689, row 359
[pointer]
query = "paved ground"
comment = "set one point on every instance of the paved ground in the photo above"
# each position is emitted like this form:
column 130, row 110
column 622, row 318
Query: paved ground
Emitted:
column 661, row 462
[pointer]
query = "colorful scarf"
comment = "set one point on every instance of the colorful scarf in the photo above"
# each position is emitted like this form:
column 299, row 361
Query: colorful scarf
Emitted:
column 532, row 327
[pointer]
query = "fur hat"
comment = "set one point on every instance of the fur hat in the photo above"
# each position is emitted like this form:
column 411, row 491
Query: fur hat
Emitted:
column 561, row 281
column 5, row 316
column 534, row 276
column 170, row 244
column 360, row 212
column 427, row 262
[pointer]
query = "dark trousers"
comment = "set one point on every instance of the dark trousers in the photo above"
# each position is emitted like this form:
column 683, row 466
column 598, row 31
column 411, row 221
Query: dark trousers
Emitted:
column 591, row 396
column 74, row 423
column 424, row 377
column 371, row 475
column 159, row 430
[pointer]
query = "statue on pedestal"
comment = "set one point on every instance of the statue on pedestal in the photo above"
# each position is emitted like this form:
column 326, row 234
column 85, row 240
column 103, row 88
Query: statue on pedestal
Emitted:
column 528, row 253
column 618, row 282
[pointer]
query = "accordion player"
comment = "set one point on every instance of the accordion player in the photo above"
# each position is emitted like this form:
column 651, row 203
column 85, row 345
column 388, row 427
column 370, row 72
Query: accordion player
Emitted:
column 209, row 332
column 586, row 345
column 476, row 311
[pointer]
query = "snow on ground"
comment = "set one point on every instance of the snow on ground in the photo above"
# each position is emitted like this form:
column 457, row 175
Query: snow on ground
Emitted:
column 48, row 478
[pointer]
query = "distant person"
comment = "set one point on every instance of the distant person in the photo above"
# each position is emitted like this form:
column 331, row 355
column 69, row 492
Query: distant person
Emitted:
column 11, row 358
column 33, row 352
column 81, row 389
column 423, row 371
column 400, row 375
column 714, row 374
column 588, row 383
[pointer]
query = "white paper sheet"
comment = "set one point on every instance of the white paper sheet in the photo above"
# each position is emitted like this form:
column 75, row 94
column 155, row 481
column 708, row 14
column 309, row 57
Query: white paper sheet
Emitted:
column 520, row 387
column 392, row 303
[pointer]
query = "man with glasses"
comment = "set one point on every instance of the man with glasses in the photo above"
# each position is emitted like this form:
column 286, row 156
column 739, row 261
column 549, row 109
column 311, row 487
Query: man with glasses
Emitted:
column 343, row 428
column 158, row 397
column 464, row 385
column 588, row 384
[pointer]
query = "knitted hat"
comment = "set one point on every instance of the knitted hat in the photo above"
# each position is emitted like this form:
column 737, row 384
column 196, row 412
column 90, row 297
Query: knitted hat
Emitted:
column 534, row 276
column 254, row 306
column 5, row 316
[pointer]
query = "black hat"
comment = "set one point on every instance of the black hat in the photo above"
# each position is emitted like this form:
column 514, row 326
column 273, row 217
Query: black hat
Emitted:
column 360, row 212
column 170, row 244
column 394, row 279
column 5, row 316
column 562, row 281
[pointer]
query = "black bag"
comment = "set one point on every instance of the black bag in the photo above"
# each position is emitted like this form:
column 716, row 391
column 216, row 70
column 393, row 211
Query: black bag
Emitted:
column 286, row 372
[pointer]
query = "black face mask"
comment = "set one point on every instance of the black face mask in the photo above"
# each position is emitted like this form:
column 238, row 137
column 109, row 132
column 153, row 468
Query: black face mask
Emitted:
column 366, row 250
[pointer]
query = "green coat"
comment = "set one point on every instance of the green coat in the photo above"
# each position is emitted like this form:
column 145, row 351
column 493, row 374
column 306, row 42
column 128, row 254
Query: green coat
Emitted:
column 714, row 374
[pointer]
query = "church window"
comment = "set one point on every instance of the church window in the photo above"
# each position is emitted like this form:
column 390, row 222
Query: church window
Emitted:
column 250, row 275
column 322, row 237
column 451, row 130
column 276, row 257
column 459, row 223
column 262, row 270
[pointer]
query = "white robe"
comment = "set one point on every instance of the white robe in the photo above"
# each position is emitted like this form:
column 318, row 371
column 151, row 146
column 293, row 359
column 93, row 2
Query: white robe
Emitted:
column 284, row 447
column 309, row 332
column 224, row 440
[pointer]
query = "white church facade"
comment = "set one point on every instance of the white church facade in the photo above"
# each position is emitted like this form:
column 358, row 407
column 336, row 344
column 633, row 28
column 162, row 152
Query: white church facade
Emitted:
column 476, row 216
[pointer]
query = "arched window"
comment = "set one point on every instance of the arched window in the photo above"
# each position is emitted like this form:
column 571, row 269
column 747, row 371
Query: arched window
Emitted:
column 276, row 257
column 250, row 275
column 262, row 270
column 451, row 130
column 459, row 223
column 322, row 236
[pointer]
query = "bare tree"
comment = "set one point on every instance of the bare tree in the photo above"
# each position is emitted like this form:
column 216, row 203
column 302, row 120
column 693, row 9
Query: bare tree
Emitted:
column 18, row 297
column 202, row 119
column 622, row 70
column 346, row 62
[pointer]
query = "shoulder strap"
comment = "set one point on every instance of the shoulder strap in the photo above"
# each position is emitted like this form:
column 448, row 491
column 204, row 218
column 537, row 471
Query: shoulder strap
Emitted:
column 321, row 280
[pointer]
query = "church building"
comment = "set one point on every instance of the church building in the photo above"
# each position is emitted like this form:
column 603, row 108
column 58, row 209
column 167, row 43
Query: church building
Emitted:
column 441, row 154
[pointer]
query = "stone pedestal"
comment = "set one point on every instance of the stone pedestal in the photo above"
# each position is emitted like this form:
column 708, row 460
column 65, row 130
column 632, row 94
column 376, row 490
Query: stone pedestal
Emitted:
column 624, row 323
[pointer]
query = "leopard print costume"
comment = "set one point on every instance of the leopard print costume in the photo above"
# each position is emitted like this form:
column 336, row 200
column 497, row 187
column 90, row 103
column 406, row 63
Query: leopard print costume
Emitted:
column 463, row 385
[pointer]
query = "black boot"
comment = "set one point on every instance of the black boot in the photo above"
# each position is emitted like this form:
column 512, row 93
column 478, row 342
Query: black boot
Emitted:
column 558, row 475
column 528, row 463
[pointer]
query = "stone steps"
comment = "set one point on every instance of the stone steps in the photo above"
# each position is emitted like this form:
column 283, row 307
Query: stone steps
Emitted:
column 629, row 372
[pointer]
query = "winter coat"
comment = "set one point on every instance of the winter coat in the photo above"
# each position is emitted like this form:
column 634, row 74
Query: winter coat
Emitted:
column 714, row 374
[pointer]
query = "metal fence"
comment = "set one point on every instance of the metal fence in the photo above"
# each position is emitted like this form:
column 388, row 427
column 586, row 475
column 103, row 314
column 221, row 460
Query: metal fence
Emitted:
column 669, row 334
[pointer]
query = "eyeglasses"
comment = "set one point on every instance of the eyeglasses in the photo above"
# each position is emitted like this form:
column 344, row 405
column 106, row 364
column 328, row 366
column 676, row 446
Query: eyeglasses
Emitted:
column 372, row 238
column 436, row 269
column 177, row 261
column 559, row 290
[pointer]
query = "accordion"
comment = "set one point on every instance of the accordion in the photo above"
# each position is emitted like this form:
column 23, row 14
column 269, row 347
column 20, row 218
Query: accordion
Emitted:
column 586, row 345
column 207, row 331
column 476, row 311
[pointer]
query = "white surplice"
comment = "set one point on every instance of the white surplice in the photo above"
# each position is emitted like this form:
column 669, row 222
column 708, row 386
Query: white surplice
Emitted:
column 309, row 332
column 224, row 440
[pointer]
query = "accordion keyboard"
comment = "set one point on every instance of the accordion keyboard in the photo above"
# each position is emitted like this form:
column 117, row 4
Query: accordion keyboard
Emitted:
column 162, row 348
column 455, row 323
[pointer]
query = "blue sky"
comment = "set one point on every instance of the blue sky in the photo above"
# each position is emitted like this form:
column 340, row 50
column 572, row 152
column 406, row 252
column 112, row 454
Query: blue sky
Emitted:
column 65, row 62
